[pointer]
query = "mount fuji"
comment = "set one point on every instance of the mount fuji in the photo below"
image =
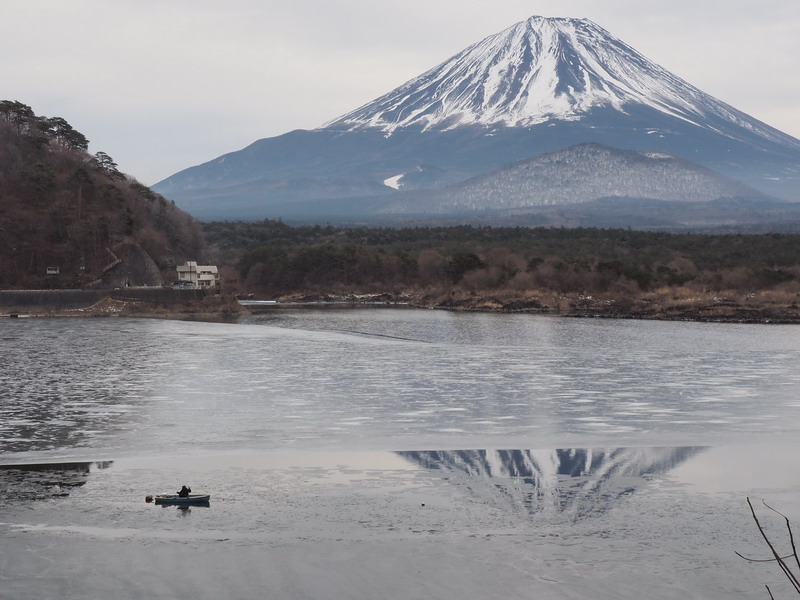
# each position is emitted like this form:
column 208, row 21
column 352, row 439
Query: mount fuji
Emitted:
column 542, row 85
column 543, row 70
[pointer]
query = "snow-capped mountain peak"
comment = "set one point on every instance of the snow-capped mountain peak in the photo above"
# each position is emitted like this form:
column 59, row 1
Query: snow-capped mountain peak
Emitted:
column 540, row 86
column 538, row 70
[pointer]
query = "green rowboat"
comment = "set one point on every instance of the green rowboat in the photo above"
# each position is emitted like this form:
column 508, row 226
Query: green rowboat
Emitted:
column 175, row 499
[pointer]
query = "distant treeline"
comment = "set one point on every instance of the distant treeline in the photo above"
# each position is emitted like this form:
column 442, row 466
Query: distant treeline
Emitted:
column 277, row 259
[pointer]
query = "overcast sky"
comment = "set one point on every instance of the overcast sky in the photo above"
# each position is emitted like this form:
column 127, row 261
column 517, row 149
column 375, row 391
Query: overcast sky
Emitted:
column 162, row 85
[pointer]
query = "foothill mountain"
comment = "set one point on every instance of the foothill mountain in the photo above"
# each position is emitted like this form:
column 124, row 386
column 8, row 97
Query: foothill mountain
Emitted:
column 550, row 112
column 595, row 185
column 69, row 219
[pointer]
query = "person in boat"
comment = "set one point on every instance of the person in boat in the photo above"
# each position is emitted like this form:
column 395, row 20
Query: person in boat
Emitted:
column 184, row 492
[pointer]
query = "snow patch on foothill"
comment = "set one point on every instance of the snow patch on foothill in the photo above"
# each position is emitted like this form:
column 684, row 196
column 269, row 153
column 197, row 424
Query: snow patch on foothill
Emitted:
column 394, row 182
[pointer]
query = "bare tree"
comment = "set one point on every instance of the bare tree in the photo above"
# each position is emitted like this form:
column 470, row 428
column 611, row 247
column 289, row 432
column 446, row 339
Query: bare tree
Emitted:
column 789, row 563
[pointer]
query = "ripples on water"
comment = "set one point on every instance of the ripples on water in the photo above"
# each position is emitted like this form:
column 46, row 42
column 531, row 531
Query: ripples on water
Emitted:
column 349, row 451
column 387, row 379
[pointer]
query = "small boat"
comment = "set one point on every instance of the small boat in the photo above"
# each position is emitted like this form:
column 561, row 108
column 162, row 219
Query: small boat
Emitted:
column 176, row 499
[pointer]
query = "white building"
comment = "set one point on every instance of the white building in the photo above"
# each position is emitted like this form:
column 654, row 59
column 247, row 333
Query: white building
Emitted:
column 198, row 276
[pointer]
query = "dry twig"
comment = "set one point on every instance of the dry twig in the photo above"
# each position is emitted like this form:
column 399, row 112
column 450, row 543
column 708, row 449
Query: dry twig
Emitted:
column 776, row 557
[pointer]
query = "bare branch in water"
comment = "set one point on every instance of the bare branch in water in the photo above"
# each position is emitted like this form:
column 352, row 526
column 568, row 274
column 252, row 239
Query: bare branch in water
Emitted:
column 776, row 557
column 791, row 535
column 769, row 591
column 748, row 559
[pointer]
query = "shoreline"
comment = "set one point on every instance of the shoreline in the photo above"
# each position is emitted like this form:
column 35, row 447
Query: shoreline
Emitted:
column 701, row 308
column 212, row 308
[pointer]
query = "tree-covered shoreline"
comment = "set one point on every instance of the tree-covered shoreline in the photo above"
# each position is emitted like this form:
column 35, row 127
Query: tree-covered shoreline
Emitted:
column 580, row 272
column 273, row 257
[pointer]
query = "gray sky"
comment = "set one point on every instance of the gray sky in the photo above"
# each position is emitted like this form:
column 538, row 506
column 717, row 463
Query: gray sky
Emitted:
column 161, row 85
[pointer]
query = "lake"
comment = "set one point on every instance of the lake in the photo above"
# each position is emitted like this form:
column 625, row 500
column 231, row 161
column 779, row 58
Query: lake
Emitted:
column 394, row 453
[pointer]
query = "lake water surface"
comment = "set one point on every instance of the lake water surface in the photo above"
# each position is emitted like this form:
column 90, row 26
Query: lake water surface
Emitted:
column 394, row 453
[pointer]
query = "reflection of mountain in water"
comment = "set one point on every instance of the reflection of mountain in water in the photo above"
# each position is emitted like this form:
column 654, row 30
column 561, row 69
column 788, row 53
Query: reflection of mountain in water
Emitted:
column 41, row 481
column 573, row 481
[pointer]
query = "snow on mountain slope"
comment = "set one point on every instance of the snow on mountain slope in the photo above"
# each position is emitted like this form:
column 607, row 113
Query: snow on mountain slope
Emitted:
column 540, row 70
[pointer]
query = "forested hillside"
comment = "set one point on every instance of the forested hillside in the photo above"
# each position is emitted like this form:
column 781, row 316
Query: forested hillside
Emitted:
column 66, row 211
